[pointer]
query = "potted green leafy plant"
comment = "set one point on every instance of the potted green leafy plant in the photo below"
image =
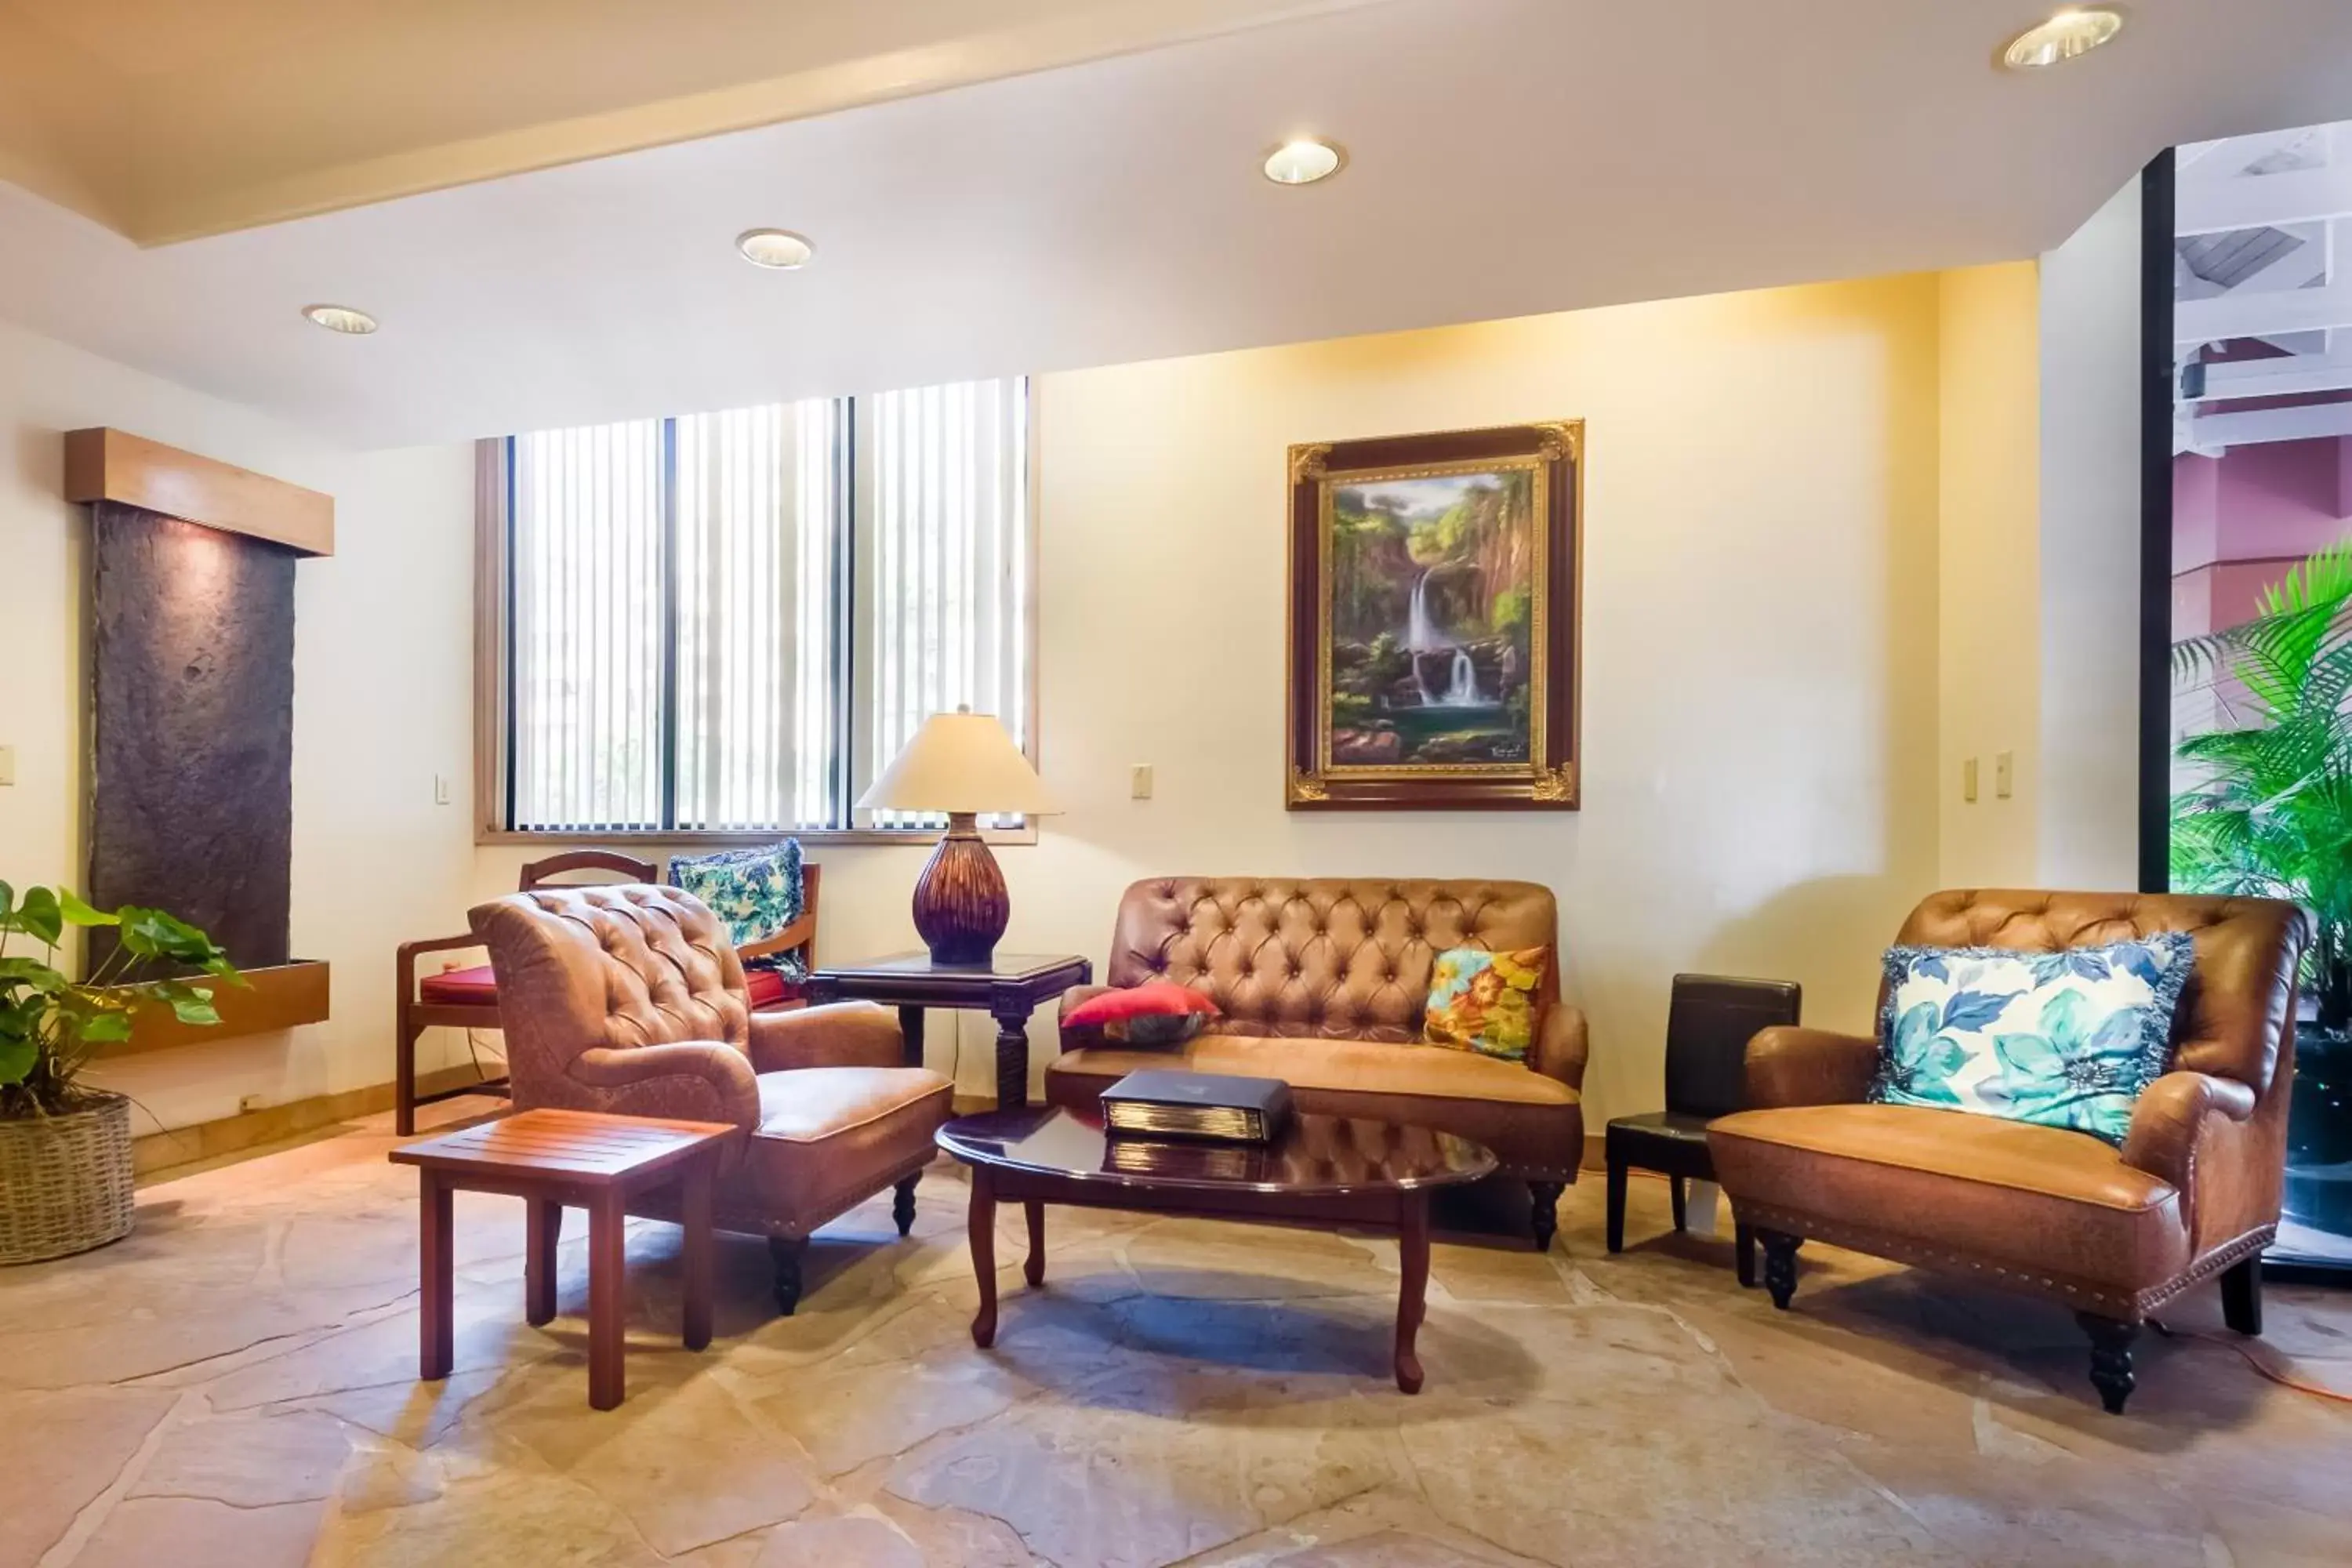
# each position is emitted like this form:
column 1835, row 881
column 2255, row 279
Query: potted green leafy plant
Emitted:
column 65, row 1147
column 2270, row 810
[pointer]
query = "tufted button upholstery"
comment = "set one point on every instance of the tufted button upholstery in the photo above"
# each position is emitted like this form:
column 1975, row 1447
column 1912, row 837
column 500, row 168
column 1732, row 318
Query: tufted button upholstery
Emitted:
column 2194, row 1189
column 629, row 998
column 1334, row 957
column 1323, row 981
column 2234, row 1013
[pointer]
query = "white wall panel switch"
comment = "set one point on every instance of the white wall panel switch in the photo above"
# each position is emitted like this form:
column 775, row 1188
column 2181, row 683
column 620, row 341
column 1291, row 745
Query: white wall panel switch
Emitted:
column 7, row 764
column 440, row 789
column 2004, row 773
column 1139, row 781
column 1969, row 779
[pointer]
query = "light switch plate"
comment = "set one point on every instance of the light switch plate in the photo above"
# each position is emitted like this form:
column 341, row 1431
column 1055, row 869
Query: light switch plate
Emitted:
column 2004, row 773
column 1969, row 779
column 440, row 789
column 1139, row 781
column 7, row 764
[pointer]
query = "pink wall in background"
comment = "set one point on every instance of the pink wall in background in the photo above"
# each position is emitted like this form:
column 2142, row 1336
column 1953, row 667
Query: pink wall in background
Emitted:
column 2268, row 500
column 2240, row 519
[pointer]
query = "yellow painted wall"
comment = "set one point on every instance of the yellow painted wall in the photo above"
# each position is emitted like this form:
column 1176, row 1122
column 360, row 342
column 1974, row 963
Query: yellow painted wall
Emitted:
column 1759, row 643
column 1988, row 618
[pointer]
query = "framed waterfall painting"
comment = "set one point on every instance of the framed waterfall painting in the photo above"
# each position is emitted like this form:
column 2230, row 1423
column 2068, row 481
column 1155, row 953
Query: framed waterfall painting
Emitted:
column 1434, row 620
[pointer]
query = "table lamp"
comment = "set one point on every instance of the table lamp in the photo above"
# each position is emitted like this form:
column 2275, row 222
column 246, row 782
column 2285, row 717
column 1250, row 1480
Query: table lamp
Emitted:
column 962, row 763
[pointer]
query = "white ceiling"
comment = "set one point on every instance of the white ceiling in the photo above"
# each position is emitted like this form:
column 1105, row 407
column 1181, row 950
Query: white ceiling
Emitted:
column 1508, row 157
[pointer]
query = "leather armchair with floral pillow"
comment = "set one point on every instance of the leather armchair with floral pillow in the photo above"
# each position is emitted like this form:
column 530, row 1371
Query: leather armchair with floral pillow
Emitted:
column 2111, row 1187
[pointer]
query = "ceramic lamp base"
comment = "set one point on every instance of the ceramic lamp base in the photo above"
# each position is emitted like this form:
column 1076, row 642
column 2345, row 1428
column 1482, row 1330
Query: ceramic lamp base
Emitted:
column 960, row 904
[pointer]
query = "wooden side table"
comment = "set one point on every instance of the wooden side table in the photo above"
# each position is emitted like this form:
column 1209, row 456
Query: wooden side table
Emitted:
column 1007, row 989
column 551, row 1158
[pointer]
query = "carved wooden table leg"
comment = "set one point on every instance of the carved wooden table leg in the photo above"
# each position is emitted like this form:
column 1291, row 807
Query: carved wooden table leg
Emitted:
column 1413, row 1253
column 608, row 1264
column 542, row 1230
column 2111, row 1358
column 1034, row 1268
column 695, row 1212
column 437, row 1340
column 1012, row 1060
column 1780, row 1264
column 983, row 1257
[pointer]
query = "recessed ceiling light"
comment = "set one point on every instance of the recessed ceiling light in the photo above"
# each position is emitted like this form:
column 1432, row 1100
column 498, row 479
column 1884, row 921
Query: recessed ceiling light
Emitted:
column 340, row 319
column 1303, row 161
column 2072, row 32
column 775, row 247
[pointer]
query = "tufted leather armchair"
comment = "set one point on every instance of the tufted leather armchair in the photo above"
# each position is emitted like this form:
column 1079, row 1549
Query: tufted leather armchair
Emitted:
column 1322, row 983
column 2192, row 1193
column 629, row 999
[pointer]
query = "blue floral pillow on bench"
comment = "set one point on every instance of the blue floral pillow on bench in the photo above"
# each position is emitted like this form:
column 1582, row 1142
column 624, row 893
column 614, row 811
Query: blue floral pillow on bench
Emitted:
column 755, row 892
column 2060, row 1039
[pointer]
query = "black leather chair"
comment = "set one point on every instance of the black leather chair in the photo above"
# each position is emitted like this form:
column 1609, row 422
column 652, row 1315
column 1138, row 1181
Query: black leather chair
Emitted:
column 1708, row 1024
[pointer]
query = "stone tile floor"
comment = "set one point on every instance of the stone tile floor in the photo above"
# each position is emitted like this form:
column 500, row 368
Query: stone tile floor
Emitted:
column 233, row 1385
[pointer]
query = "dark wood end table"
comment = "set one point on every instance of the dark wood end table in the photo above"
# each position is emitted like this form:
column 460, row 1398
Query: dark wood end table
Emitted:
column 551, row 1158
column 1008, row 989
column 1323, row 1170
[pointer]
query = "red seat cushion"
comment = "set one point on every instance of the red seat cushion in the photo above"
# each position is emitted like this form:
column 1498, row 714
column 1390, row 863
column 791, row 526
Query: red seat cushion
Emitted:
column 478, row 987
column 475, row 987
column 769, row 989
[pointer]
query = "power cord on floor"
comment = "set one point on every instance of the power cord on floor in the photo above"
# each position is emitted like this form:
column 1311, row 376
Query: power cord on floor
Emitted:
column 2251, row 1359
column 474, row 1049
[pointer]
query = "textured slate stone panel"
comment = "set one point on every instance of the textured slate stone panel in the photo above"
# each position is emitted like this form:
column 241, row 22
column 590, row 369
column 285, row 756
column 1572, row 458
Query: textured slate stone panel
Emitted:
column 192, row 654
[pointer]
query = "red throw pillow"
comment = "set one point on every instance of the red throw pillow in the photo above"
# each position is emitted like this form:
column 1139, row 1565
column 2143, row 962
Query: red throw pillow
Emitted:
column 1156, row 1012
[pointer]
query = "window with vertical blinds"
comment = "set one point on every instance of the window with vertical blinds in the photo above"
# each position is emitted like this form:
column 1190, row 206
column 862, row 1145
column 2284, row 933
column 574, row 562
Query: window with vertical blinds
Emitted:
column 726, row 623
column 949, row 522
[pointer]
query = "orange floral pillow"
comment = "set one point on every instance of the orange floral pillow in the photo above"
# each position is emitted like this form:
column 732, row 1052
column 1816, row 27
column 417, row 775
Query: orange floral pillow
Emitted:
column 1484, row 1002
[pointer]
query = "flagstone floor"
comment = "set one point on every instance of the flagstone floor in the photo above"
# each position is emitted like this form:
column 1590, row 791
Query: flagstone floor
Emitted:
column 233, row 1385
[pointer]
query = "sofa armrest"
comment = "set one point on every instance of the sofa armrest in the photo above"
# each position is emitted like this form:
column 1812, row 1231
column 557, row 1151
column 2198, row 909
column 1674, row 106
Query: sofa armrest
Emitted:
column 697, row 1081
column 835, row 1035
column 2171, row 1116
column 1561, row 1046
column 1072, row 1040
column 1790, row 1064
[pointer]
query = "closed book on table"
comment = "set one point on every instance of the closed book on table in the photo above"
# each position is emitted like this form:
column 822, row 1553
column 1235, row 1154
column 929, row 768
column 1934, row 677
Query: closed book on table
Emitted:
column 1217, row 1106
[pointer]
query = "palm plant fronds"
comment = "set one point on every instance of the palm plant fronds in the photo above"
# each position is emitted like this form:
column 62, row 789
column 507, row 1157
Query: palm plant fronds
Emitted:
column 2270, row 810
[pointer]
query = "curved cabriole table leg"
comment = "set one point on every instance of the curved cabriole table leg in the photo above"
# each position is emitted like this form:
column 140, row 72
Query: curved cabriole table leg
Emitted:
column 1413, row 1253
column 982, row 1229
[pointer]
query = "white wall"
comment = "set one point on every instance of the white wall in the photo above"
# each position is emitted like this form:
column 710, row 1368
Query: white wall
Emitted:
column 382, row 694
column 2090, row 530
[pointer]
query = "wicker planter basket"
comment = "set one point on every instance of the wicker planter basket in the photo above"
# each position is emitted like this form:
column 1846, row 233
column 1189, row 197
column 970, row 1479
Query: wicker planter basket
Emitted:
column 65, row 1182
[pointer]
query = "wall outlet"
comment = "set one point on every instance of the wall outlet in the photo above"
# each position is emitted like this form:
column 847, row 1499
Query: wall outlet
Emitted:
column 2004, row 773
column 248, row 1103
column 440, row 789
column 7, row 764
column 1139, row 781
column 1968, row 780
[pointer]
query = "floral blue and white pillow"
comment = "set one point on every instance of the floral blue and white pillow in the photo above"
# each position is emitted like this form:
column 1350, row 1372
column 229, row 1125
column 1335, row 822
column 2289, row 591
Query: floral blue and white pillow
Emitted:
column 756, row 892
column 2061, row 1039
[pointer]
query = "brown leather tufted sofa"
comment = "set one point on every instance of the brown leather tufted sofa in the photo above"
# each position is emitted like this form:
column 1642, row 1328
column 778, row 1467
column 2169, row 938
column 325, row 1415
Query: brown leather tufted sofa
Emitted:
column 629, row 998
column 1322, row 983
column 2113, row 1233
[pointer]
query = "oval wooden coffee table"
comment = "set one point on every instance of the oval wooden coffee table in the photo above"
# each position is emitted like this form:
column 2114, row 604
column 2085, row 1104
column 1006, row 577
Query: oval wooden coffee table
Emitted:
column 1323, row 1170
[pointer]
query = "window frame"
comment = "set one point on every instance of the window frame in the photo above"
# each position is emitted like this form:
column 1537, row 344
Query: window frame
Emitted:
column 494, row 589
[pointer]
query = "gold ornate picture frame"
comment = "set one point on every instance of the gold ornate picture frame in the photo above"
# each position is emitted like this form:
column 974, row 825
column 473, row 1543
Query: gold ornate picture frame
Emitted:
column 1435, row 620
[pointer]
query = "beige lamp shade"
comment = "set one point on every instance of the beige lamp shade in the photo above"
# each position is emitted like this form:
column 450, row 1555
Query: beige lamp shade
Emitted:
column 961, row 761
